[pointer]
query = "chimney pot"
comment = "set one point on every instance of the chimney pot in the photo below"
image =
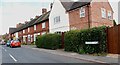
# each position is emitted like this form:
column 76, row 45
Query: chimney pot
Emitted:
column 26, row 22
column 36, row 16
column 44, row 10
column 51, row 5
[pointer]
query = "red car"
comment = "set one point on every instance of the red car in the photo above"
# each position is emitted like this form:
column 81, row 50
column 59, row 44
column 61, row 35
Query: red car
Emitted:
column 15, row 43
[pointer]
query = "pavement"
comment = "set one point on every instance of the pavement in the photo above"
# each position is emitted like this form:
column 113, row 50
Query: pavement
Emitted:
column 110, row 58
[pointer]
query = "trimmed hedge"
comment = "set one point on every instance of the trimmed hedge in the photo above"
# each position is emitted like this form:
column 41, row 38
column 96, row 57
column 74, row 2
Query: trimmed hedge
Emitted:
column 75, row 40
column 49, row 41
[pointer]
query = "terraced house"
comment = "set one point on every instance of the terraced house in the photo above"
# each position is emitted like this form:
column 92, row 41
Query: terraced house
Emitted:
column 68, row 15
column 38, row 26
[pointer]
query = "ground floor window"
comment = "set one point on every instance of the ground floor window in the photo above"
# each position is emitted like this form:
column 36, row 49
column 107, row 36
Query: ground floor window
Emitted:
column 35, row 35
column 29, row 37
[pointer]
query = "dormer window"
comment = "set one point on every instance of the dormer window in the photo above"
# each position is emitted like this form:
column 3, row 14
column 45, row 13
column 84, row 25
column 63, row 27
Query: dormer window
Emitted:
column 82, row 12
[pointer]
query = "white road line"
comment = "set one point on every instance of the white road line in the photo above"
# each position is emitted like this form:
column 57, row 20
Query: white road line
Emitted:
column 5, row 50
column 13, row 58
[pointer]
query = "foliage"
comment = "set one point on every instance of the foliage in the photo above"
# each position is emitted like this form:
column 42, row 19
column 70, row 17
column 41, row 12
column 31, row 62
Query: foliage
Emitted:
column 49, row 41
column 75, row 40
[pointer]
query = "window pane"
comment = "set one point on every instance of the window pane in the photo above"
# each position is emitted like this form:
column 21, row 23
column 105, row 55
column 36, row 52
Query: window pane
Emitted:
column 34, row 27
column 82, row 12
column 43, row 25
column 103, row 13
column 109, row 15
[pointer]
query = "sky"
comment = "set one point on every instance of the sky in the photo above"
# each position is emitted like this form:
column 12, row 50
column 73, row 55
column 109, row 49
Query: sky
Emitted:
column 13, row 12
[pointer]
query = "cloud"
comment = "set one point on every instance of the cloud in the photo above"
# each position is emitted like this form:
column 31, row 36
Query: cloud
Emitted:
column 27, row 0
column 17, row 12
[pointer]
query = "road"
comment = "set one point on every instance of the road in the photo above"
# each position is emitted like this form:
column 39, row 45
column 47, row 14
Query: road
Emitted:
column 29, row 55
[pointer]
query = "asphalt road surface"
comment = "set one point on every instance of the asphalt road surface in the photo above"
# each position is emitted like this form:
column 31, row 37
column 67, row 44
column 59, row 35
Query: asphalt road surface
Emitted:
column 29, row 55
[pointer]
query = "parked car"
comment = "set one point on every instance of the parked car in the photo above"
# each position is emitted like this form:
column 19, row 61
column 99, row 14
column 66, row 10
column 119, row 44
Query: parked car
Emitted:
column 15, row 43
column 8, row 43
column 2, row 42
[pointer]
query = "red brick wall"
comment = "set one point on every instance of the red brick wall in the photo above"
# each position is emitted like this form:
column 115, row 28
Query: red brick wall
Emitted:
column 95, row 17
column 31, row 30
column 39, row 27
column 26, row 31
column 46, row 29
column 31, row 33
column 20, row 35
column 76, row 21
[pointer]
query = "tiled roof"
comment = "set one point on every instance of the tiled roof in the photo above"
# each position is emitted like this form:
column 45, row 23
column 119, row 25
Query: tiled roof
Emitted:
column 70, row 5
column 32, row 22
column 42, row 18
column 12, row 30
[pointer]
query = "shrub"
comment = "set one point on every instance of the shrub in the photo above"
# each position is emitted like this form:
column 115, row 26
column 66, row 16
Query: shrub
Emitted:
column 49, row 41
column 75, row 40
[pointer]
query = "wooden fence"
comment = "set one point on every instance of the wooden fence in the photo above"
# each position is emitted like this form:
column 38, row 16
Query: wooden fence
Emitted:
column 113, row 39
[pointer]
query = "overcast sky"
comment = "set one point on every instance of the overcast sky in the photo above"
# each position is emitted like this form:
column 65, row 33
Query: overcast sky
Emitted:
column 13, row 12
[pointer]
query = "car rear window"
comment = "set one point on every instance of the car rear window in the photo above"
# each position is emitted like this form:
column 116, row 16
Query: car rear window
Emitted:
column 16, row 41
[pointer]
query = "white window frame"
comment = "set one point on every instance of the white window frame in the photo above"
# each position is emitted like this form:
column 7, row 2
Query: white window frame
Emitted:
column 103, row 12
column 110, row 15
column 34, row 27
column 56, row 19
column 82, row 12
column 23, row 31
column 38, row 33
column 29, row 37
column 28, row 29
column 43, row 25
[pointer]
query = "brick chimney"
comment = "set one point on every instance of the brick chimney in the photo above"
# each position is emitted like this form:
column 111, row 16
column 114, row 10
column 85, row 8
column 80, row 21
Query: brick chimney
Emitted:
column 19, row 25
column 31, row 19
column 26, row 22
column 44, row 10
column 36, row 16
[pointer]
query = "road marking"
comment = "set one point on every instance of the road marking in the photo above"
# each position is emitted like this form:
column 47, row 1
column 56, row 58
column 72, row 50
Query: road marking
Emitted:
column 13, row 58
column 5, row 50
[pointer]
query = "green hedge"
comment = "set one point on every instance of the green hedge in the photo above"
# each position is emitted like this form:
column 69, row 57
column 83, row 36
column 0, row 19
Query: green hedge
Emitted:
column 75, row 40
column 49, row 41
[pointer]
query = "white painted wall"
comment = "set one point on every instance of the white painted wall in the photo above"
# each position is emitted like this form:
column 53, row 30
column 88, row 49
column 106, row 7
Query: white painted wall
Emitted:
column 24, row 38
column 16, row 35
column 58, row 10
